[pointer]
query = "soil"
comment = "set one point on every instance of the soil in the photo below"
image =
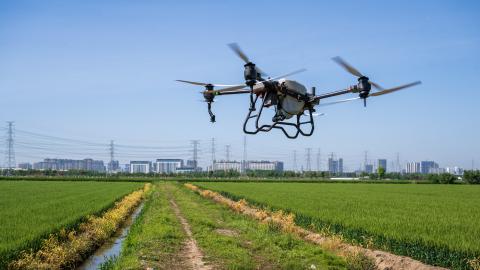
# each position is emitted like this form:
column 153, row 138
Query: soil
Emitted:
column 191, row 252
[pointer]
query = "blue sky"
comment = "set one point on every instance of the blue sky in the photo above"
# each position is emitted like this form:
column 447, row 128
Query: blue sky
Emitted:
column 101, row 70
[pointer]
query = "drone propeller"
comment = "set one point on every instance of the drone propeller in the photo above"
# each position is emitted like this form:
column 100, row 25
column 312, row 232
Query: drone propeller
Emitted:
column 313, row 114
column 234, row 46
column 240, row 86
column 338, row 101
column 353, row 70
column 205, row 84
column 388, row 91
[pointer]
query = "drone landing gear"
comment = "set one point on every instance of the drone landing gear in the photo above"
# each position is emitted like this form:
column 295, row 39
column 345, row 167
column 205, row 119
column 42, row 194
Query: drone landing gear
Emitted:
column 278, row 122
column 212, row 116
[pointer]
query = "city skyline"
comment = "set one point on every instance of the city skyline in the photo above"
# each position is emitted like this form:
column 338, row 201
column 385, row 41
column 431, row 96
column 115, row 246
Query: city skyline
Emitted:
column 107, row 73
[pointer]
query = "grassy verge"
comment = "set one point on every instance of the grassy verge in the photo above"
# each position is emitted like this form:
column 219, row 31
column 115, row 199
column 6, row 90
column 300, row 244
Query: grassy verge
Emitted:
column 155, row 239
column 233, row 241
column 228, row 240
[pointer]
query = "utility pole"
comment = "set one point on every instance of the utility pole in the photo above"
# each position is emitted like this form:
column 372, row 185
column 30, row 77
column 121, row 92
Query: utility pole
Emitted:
column 308, row 156
column 295, row 160
column 318, row 160
column 473, row 164
column 227, row 152
column 10, row 155
column 213, row 154
column 195, row 144
column 244, row 162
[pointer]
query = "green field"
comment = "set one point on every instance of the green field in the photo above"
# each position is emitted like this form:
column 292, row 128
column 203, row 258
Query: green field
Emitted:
column 30, row 210
column 437, row 224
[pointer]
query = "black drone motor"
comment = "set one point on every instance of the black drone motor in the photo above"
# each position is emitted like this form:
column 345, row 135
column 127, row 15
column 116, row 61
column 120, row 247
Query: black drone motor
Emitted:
column 209, row 96
column 251, row 75
column 364, row 88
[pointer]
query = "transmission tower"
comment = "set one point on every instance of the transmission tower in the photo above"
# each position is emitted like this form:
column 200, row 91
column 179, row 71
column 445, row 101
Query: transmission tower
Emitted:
column 10, row 155
column 399, row 169
column 295, row 160
column 111, row 149
column 244, row 162
column 308, row 157
column 227, row 152
column 319, row 159
column 365, row 161
column 195, row 144
column 213, row 153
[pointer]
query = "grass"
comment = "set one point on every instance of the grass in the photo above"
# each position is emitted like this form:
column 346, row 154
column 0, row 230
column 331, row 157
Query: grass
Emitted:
column 228, row 240
column 31, row 210
column 437, row 224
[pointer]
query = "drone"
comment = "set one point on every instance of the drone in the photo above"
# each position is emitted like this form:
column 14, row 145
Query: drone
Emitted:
column 288, row 98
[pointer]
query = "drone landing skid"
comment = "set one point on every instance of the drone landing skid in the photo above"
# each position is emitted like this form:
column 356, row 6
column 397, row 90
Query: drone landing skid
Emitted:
column 277, row 124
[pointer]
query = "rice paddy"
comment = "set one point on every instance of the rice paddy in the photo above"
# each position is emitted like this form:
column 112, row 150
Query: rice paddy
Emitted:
column 31, row 210
column 437, row 224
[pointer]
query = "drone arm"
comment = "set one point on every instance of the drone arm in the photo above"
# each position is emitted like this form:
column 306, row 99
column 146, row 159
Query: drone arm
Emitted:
column 333, row 94
column 231, row 92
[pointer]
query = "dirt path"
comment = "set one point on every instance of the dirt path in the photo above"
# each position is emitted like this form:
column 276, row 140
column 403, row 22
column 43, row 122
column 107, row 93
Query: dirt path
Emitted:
column 192, row 253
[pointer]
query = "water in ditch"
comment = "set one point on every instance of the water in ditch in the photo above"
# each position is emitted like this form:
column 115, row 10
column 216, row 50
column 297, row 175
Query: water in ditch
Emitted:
column 112, row 247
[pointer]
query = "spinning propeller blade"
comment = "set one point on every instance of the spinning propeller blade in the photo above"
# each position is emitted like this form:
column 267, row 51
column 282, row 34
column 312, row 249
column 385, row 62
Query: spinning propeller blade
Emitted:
column 234, row 46
column 388, row 91
column 353, row 70
column 288, row 74
column 337, row 102
column 205, row 84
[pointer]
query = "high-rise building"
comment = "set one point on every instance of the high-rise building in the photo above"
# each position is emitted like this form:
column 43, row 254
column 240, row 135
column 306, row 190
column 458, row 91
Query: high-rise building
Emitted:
column 413, row 167
column 335, row 166
column 140, row 166
column 382, row 163
column 428, row 167
column 368, row 168
column 168, row 165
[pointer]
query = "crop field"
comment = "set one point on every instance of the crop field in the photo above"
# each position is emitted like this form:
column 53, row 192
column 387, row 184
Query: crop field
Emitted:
column 30, row 210
column 437, row 224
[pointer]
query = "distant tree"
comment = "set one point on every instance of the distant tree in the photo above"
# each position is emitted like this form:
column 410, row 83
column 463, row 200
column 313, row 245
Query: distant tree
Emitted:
column 472, row 177
column 381, row 172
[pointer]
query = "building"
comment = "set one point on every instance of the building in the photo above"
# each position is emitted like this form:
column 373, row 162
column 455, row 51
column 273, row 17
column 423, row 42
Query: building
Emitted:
column 264, row 165
column 140, row 166
column 427, row 167
column 168, row 165
column 413, row 167
column 70, row 164
column 368, row 168
column 25, row 166
column 335, row 166
column 113, row 166
column 382, row 163
column 227, row 165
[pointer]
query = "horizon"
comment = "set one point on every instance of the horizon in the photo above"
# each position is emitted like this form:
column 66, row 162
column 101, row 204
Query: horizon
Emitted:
column 96, row 72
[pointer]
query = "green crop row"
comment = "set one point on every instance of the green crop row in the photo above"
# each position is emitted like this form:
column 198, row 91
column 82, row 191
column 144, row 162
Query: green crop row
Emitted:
column 436, row 224
column 31, row 210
